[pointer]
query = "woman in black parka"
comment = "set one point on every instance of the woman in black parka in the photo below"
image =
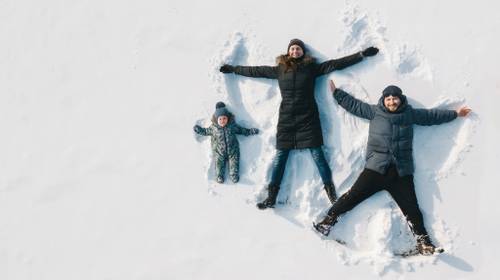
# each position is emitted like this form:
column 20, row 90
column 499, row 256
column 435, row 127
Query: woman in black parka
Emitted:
column 299, row 126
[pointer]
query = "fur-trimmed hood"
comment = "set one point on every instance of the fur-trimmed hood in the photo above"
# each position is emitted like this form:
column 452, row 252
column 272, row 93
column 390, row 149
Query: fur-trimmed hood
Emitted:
column 292, row 63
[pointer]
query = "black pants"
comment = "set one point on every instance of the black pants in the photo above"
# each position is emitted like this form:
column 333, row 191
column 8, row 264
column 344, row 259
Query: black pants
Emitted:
column 401, row 189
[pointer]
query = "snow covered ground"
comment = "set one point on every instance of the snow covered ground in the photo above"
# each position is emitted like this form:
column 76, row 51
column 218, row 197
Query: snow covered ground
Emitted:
column 101, row 176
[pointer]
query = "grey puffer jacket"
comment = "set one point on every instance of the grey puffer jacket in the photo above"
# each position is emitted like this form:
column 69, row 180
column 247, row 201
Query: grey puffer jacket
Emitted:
column 223, row 139
column 390, row 136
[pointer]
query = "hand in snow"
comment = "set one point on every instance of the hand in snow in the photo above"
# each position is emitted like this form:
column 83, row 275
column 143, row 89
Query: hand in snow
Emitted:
column 254, row 131
column 332, row 86
column 226, row 68
column 464, row 111
column 371, row 51
column 197, row 129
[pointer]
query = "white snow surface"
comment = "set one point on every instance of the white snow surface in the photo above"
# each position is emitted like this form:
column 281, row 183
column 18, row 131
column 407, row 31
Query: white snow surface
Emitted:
column 102, row 177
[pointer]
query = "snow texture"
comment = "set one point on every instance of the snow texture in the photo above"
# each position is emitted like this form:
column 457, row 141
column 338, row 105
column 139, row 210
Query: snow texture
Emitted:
column 376, row 229
column 102, row 176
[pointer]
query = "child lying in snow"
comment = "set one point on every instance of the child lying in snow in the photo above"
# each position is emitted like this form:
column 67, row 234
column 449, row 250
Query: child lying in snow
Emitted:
column 225, row 146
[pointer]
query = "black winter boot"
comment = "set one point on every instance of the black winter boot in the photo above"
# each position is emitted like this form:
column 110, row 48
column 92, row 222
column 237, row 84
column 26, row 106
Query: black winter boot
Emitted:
column 235, row 178
column 220, row 179
column 330, row 192
column 326, row 225
column 425, row 246
column 270, row 201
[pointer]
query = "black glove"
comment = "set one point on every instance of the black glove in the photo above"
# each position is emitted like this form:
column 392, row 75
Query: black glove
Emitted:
column 254, row 131
column 197, row 129
column 371, row 51
column 226, row 68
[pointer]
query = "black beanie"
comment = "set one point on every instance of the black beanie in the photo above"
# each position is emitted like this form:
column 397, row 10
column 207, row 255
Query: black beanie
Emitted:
column 392, row 90
column 297, row 42
column 219, row 104
column 221, row 110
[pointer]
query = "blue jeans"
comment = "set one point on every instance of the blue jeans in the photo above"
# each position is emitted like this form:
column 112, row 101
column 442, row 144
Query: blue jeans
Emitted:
column 279, row 163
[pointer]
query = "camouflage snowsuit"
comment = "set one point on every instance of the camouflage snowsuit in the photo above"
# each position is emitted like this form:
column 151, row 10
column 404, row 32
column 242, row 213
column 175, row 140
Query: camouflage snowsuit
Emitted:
column 225, row 146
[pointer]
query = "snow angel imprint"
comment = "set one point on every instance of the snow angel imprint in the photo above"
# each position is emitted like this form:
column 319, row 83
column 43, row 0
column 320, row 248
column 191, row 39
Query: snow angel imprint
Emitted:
column 225, row 146
column 298, row 124
column 389, row 158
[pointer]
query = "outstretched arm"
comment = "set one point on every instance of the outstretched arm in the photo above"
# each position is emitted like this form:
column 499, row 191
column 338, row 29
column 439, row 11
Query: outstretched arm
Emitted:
column 433, row 116
column 344, row 62
column 437, row 116
column 245, row 131
column 202, row 131
column 270, row 72
column 351, row 104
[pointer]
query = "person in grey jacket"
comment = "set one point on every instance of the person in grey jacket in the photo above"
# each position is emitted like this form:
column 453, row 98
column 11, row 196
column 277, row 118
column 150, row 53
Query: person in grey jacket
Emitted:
column 389, row 157
column 225, row 146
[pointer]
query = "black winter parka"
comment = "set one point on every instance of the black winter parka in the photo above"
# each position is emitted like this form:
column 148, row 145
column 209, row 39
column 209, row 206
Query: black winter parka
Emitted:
column 298, row 124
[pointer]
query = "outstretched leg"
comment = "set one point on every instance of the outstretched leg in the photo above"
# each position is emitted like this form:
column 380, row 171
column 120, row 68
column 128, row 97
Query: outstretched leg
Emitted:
column 234, row 167
column 278, row 169
column 325, row 172
column 220, row 166
column 368, row 183
column 403, row 192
